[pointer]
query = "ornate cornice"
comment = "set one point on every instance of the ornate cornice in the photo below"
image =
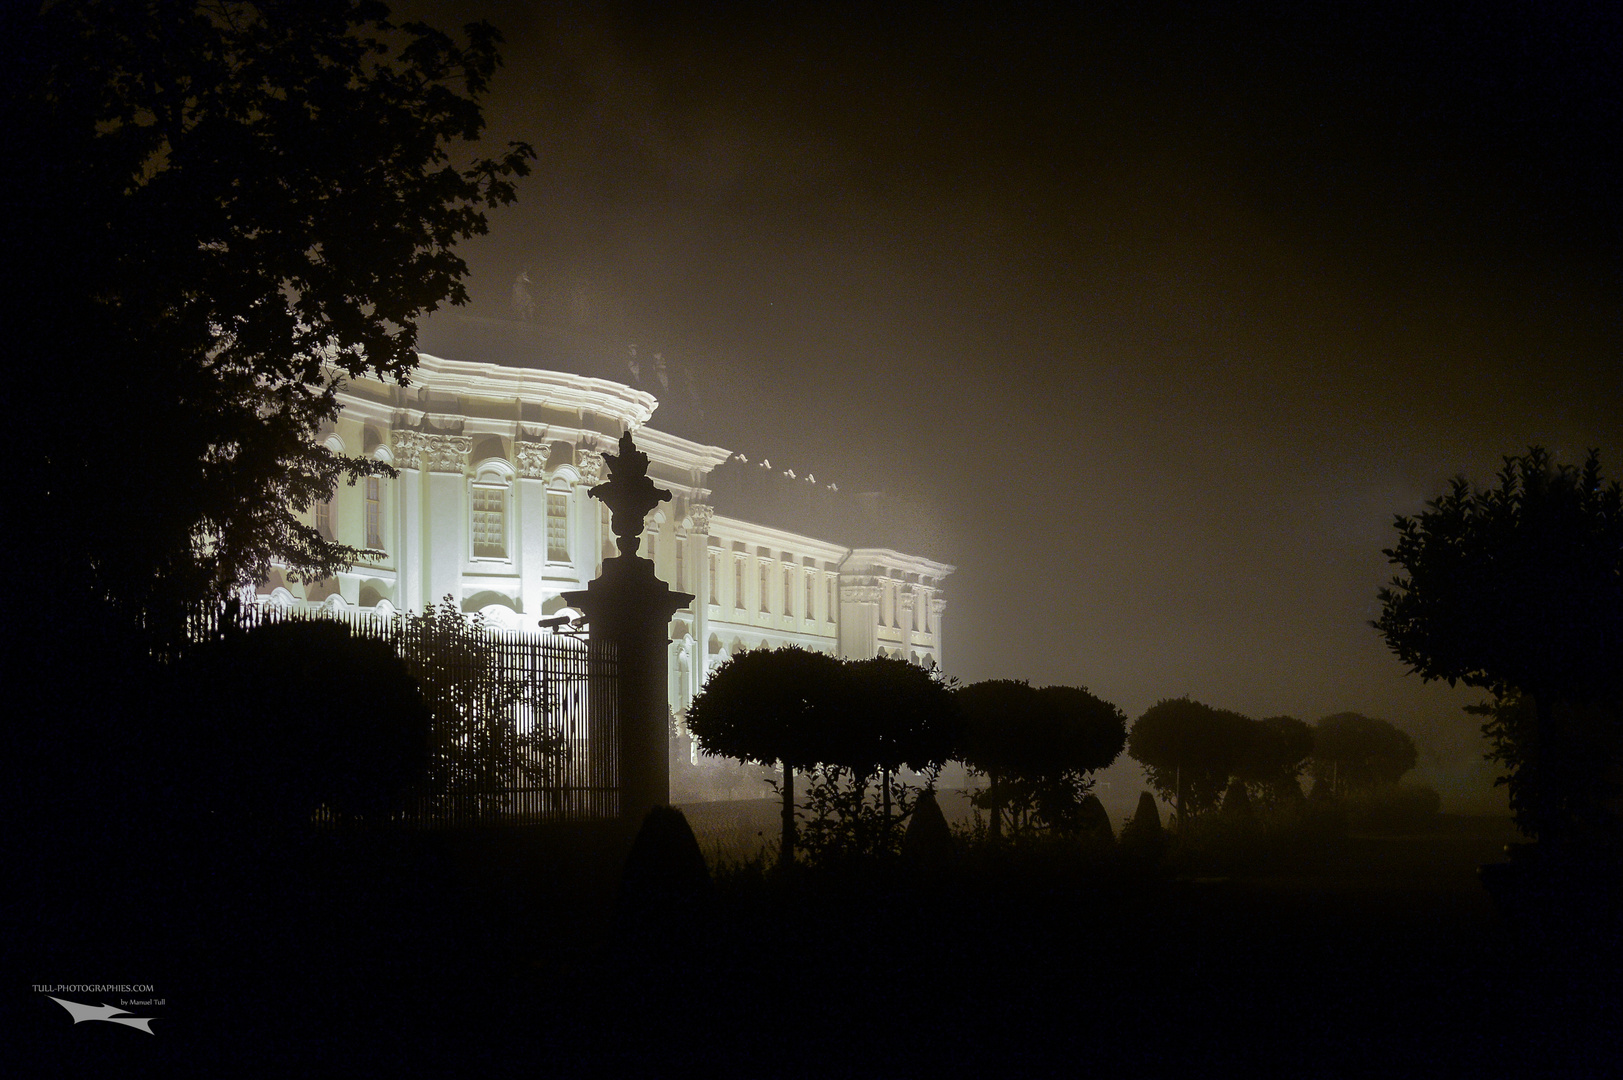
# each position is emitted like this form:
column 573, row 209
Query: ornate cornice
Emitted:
column 590, row 465
column 532, row 460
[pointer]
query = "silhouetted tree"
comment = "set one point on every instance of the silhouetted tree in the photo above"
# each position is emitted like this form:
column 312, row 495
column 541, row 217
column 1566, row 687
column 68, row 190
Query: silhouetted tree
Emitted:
column 1189, row 750
column 988, row 708
column 1038, row 748
column 225, row 210
column 1271, row 765
column 1517, row 589
column 772, row 706
column 1358, row 753
column 897, row 715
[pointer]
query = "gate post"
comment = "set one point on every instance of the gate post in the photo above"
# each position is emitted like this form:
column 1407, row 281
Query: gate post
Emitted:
column 631, row 608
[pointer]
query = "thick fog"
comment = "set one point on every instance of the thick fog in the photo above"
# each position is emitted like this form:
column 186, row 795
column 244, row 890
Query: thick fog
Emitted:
column 1164, row 318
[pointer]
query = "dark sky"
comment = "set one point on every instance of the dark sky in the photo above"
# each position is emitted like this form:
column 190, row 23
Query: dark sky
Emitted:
column 1166, row 311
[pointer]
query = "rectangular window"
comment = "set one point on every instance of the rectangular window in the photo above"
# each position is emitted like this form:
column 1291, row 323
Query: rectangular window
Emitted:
column 715, row 595
column 681, row 561
column 374, row 514
column 738, row 582
column 833, row 597
column 788, row 591
column 489, row 526
column 324, row 519
column 810, row 591
column 557, row 526
column 766, row 588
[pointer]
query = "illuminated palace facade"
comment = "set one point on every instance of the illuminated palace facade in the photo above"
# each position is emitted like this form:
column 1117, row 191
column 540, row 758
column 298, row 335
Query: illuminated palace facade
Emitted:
column 490, row 507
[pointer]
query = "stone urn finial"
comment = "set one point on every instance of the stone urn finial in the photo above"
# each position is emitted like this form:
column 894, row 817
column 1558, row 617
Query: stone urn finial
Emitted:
column 629, row 495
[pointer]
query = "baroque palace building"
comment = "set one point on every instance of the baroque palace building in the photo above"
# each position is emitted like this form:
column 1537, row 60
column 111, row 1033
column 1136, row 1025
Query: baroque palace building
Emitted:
column 490, row 508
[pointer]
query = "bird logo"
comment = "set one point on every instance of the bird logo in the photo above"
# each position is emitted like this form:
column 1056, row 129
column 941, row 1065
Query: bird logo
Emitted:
column 81, row 1013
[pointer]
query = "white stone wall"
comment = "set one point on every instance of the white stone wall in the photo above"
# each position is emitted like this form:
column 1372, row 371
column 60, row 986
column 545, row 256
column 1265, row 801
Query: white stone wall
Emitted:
column 468, row 438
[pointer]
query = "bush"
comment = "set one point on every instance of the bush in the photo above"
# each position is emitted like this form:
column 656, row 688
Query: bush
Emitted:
column 848, row 815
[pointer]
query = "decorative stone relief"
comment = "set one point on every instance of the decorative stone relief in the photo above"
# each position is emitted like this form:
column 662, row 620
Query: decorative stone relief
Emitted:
column 532, row 460
column 590, row 465
column 859, row 594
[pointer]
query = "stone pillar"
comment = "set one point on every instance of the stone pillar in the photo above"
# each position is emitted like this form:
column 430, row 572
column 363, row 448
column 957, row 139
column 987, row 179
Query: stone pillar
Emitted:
column 937, row 606
column 409, row 549
column 859, row 621
column 904, row 618
column 589, row 549
column 531, row 511
column 630, row 608
column 446, row 516
column 699, row 516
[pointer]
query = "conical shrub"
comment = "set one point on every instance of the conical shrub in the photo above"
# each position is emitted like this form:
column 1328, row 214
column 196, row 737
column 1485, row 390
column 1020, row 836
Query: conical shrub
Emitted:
column 1143, row 836
column 927, row 843
column 665, row 868
column 1236, row 800
column 1094, row 820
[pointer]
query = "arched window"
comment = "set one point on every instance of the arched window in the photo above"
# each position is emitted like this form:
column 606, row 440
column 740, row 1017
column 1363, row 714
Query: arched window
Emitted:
column 487, row 510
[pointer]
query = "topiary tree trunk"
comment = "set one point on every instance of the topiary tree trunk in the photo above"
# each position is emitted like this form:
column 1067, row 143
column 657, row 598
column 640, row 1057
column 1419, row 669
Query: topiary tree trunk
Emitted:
column 786, row 849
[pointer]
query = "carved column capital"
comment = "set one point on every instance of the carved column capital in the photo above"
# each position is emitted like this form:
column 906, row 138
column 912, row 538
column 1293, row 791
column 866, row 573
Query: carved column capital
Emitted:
column 447, row 453
column 532, row 460
column 590, row 464
column 699, row 515
column 409, row 447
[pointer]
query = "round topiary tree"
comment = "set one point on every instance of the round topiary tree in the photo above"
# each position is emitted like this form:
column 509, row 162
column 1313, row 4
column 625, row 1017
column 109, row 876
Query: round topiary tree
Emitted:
column 774, row 706
column 1038, row 748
